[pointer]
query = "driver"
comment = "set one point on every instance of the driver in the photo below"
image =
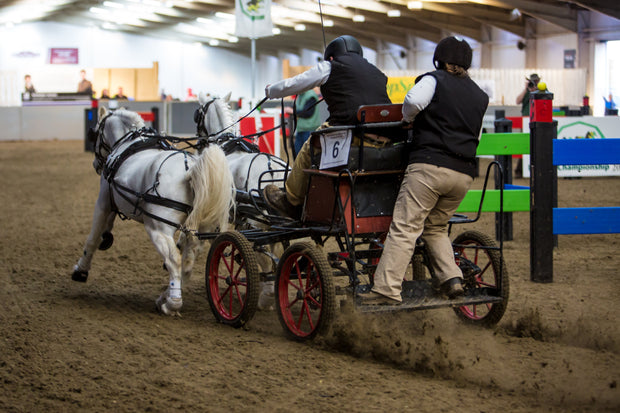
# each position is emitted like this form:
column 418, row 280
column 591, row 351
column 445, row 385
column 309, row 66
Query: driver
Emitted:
column 446, row 108
column 347, row 81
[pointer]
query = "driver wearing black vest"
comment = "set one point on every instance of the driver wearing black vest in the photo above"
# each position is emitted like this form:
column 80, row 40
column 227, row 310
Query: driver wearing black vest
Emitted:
column 446, row 108
column 347, row 81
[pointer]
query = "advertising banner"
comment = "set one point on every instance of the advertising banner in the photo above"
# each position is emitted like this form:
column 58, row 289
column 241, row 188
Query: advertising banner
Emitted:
column 582, row 127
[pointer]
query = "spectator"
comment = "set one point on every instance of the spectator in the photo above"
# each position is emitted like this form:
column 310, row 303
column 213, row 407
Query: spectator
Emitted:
column 610, row 106
column 105, row 94
column 308, row 117
column 85, row 86
column 531, row 85
column 119, row 95
column 28, row 86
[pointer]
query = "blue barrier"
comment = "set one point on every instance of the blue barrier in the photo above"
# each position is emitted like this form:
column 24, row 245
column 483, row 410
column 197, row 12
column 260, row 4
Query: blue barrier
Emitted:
column 596, row 220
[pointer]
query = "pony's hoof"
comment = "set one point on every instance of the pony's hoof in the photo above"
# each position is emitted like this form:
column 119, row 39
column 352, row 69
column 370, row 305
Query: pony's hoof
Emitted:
column 79, row 275
column 107, row 239
column 169, row 306
column 266, row 299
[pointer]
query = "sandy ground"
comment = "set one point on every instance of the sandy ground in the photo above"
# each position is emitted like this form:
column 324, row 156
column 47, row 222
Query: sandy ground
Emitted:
column 101, row 346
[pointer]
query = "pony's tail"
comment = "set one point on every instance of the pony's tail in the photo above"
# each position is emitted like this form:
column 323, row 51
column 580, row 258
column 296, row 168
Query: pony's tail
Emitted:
column 213, row 186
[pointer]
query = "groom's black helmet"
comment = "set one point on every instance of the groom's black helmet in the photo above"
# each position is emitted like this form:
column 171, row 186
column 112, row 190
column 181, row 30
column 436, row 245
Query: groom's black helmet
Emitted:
column 453, row 50
column 343, row 45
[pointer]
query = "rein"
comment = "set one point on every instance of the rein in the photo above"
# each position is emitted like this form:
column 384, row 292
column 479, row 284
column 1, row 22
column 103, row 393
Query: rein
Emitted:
column 201, row 112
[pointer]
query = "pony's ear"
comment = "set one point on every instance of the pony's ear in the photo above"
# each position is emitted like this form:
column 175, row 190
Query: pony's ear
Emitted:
column 227, row 97
column 202, row 98
column 102, row 112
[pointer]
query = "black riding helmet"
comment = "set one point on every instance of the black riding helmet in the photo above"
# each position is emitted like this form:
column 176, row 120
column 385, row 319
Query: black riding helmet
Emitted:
column 453, row 50
column 343, row 45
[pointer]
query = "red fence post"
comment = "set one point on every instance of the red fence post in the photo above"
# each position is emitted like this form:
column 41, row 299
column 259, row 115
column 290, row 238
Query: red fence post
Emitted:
column 543, row 186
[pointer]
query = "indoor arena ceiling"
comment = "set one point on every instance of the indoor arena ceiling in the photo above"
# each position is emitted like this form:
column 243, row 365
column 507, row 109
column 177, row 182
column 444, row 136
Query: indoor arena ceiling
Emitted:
column 299, row 22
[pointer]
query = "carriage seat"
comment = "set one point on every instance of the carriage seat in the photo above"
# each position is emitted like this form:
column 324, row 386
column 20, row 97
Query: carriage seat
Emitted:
column 379, row 140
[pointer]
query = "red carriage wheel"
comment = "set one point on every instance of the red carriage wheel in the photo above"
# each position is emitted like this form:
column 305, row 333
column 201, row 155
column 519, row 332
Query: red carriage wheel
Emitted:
column 305, row 295
column 484, row 273
column 232, row 278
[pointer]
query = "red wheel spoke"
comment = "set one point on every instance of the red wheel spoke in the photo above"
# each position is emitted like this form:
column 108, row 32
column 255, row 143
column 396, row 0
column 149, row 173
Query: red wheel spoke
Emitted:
column 318, row 304
column 307, row 307
column 229, row 267
column 312, row 287
column 308, row 272
column 301, row 315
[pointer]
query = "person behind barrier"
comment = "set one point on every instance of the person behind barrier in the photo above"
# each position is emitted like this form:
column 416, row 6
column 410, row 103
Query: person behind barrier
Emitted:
column 347, row 81
column 85, row 86
column 28, row 86
column 120, row 95
column 308, row 117
column 531, row 85
column 446, row 108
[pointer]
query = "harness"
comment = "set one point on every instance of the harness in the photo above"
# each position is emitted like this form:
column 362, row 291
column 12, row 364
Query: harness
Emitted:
column 142, row 139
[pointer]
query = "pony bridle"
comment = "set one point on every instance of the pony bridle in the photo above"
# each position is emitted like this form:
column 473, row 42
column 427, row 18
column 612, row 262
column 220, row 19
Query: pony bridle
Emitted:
column 199, row 118
column 102, row 149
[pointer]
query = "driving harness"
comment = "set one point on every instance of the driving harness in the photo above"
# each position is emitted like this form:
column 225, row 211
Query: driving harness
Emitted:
column 143, row 139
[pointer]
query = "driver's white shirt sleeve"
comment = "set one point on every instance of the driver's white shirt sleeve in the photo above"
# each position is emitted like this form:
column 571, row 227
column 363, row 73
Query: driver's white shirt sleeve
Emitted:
column 315, row 76
column 419, row 97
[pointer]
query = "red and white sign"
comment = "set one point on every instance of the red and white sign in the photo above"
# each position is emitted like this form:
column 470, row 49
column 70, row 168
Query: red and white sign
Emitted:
column 268, row 142
column 64, row 56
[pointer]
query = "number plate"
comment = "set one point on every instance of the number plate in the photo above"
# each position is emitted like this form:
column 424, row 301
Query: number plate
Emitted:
column 335, row 148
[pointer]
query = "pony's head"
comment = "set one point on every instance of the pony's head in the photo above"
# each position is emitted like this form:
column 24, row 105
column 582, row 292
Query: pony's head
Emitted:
column 214, row 116
column 111, row 128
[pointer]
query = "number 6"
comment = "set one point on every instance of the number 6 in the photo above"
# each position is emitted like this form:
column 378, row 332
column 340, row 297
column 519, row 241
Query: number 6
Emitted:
column 335, row 150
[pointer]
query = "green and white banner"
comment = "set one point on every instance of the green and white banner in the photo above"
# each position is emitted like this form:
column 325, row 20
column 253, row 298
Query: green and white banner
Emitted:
column 253, row 18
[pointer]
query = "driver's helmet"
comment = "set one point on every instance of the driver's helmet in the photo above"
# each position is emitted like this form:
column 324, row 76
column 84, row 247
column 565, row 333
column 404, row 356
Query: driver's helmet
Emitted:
column 343, row 45
column 454, row 50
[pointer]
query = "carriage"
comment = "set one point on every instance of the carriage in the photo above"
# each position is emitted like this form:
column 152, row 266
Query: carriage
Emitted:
column 331, row 252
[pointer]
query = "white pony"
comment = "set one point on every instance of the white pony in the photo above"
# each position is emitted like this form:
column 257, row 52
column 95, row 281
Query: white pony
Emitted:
column 251, row 170
column 168, row 190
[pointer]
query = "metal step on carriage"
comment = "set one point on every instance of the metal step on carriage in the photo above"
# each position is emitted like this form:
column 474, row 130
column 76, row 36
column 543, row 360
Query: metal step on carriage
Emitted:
column 330, row 254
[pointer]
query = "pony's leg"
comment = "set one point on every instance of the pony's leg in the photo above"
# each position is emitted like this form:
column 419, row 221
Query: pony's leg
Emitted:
column 162, row 237
column 101, row 218
column 107, row 237
column 267, row 265
column 192, row 248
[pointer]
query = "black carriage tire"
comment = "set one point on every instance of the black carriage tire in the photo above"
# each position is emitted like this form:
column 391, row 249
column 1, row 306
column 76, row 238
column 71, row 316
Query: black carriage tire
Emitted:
column 497, row 310
column 311, row 255
column 246, row 258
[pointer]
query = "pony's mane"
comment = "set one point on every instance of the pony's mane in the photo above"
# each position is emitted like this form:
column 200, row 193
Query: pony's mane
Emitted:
column 129, row 118
column 224, row 114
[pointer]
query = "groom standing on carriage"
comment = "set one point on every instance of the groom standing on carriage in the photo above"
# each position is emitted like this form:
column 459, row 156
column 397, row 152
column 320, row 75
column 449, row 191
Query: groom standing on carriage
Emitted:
column 347, row 81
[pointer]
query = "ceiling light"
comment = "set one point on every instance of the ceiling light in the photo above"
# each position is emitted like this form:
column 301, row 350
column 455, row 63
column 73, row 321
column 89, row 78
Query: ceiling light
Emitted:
column 414, row 5
column 223, row 15
column 393, row 13
column 328, row 23
column 98, row 10
column 276, row 31
column 358, row 18
column 113, row 5
column 233, row 39
column 300, row 27
column 214, row 42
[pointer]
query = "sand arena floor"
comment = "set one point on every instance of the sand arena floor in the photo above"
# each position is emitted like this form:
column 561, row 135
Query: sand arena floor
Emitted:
column 101, row 346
